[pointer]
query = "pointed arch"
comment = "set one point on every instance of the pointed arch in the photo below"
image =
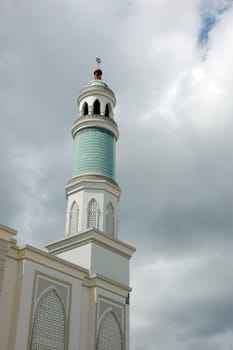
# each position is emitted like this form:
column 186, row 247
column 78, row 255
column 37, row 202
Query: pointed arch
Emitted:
column 96, row 107
column 110, row 219
column 73, row 223
column 85, row 108
column 109, row 334
column 107, row 110
column 92, row 214
column 49, row 323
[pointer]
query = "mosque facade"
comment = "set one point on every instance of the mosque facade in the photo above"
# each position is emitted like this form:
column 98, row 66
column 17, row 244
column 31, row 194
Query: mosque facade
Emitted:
column 75, row 295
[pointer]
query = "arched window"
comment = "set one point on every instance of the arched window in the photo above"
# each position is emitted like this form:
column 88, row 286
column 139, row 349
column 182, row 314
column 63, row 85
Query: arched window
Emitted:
column 96, row 107
column 92, row 214
column 73, row 228
column 109, row 335
column 49, row 323
column 85, row 108
column 107, row 110
column 110, row 219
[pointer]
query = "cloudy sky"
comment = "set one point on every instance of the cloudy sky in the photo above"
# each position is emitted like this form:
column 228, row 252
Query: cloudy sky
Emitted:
column 170, row 64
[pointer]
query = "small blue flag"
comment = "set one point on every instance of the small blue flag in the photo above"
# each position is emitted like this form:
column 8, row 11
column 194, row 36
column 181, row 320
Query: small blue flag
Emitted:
column 98, row 60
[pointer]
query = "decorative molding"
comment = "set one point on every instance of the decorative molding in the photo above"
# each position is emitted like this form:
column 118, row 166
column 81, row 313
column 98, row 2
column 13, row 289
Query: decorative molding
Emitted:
column 43, row 284
column 104, row 306
column 98, row 280
column 95, row 89
column 58, row 264
column 95, row 120
column 55, row 284
column 49, row 323
column 97, row 117
column 109, row 335
column 91, row 236
column 7, row 230
column 86, row 179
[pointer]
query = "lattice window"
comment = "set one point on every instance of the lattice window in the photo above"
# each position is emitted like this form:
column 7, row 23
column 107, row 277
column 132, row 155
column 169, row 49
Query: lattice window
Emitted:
column 73, row 227
column 92, row 214
column 96, row 107
column 109, row 335
column 49, row 324
column 110, row 219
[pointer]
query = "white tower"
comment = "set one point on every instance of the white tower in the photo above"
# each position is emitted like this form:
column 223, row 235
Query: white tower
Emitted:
column 92, row 193
column 91, row 238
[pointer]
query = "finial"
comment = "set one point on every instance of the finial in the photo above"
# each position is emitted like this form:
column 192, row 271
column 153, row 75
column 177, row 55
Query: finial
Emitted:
column 98, row 60
column 98, row 72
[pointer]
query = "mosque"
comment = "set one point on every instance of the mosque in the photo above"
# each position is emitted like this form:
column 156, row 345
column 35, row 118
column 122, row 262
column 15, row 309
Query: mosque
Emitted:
column 74, row 296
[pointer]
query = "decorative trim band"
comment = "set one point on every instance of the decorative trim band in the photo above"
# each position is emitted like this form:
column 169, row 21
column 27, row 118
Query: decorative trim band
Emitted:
column 95, row 120
column 93, row 178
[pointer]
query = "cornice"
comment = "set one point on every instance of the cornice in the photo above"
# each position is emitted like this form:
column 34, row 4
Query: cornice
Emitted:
column 7, row 232
column 91, row 236
column 98, row 280
column 97, row 90
column 40, row 257
column 95, row 120
column 87, row 181
column 96, row 116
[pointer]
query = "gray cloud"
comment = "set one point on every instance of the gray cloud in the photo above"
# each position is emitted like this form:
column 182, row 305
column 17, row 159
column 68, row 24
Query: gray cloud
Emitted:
column 173, row 157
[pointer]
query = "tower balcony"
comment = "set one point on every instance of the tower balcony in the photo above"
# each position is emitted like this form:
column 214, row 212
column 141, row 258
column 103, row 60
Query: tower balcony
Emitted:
column 95, row 120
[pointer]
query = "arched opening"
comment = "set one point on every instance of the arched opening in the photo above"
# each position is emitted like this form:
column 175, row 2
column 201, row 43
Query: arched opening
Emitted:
column 110, row 219
column 96, row 107
column 73, row 226
column 92, row 214
column 85, row 108
column 109, row 335
column 49, row 323
column 107, row 110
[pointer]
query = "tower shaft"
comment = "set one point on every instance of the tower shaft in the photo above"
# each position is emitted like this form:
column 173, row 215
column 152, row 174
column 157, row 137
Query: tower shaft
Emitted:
column 92, row 193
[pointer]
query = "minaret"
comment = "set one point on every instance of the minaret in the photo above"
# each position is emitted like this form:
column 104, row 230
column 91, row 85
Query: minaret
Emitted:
column 91, row 239
column 92, row 193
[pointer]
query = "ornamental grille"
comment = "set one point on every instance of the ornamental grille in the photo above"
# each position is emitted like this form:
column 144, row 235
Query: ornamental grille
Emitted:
column 109, row 337
column 73, row 219
column 92, row 214
column 49, row 324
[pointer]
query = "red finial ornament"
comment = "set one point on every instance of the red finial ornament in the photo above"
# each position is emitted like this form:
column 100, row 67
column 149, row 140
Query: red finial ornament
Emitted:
column 98, row 74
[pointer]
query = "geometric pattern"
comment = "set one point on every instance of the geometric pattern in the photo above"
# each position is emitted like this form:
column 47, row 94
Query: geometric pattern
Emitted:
column 92, row 214
column 94, row 152
column 109, row 335
column 117, row 309
column 49, row 324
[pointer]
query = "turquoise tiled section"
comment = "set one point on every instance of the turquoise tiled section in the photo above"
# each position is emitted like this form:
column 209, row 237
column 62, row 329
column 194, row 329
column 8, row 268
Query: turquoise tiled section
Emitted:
column 94, row 152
